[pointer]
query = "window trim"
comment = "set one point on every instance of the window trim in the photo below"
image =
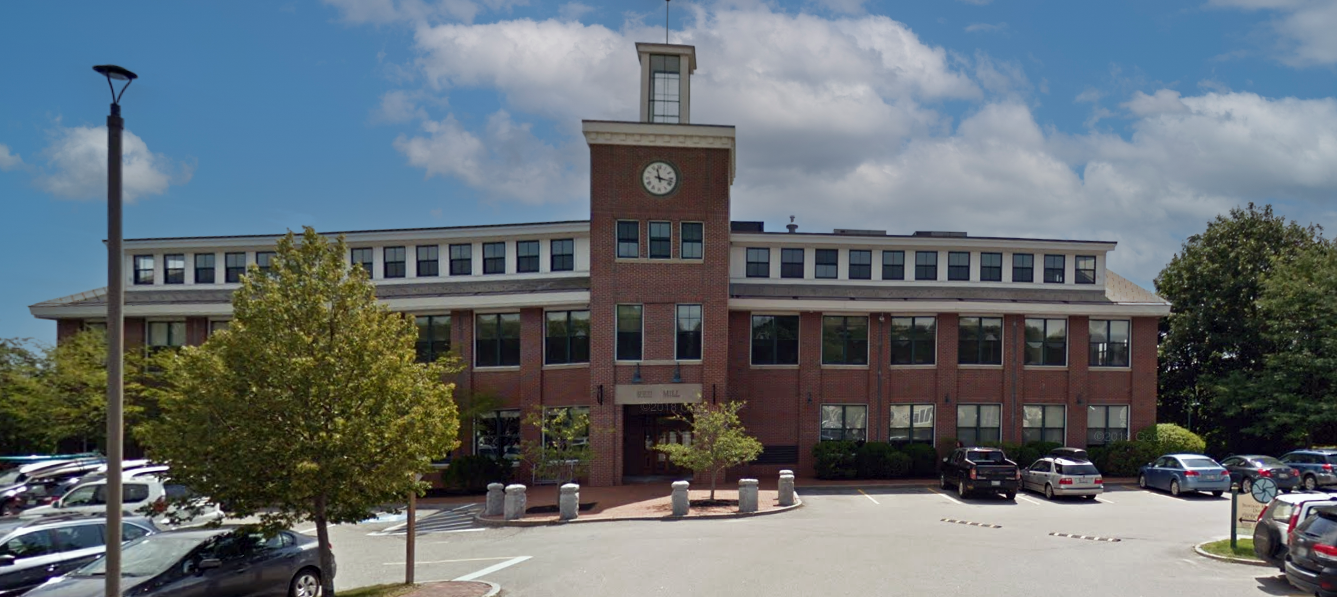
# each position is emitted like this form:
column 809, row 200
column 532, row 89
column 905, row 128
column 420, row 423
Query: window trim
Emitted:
column 419, row 261
column 619, row 240
column 885, row 253
column 934, row 265
column 450, row 339
column 148, row 333
column 1077, row 269
column 677, row 333
column 496, row 414
column 651, row 239
column 954, row 270
column 934, row 353
column 798, row 348
column 977, row 428
column 1127, row 428
column 265, row 269
column 537, row 257
column 802, row 256
column 617, row 357
column 850, row 264
column 589, row 321
column 492, row 260
column 369, row 265
column 844, row 418
column 228, row 269
column 403, row 262
column 683, row 242
column 451, row 259
column 520, row 338
column 868, row 349
column 1030, row 270
column 991, row 277
column 1002, row 340
column 1044, row 418
column 1060, row 278
column 1044, row 342
column 1128, row 347
column 553, row 255
column 933, row 429
column 167, row 270
column 817, row 264
column 748, row 262
column 212, row 268
column 139, row 280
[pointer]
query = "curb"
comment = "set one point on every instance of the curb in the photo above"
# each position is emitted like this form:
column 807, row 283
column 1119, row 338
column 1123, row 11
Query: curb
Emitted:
column 542, row 523
column 1233, row 560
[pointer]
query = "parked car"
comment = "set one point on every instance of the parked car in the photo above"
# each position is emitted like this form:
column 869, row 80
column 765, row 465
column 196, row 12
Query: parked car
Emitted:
column 32, row 551
column 20, row 474
column 137, row 494
column 34, row 481
column 1246, row 469
column 1071, row 454
column 1057, row 477
column 1178, row 473
column 1279, row 518
column 1311, row 563
column 1315, row 466
column 101, row 471
column 204, row 563
column 980, row 469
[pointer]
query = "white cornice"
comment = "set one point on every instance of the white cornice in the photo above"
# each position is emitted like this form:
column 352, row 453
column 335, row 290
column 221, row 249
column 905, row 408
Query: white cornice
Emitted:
column 926, row 242
column 376, row 237
column 574, row 299
column 930, row 307
column 601, row 132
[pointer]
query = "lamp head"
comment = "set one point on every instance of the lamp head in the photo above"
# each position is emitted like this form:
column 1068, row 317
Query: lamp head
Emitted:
column 111, row 71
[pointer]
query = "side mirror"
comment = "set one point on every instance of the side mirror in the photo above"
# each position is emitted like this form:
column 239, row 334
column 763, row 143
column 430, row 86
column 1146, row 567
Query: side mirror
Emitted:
column 6, row 560
column 944, row 461
column 209, row 564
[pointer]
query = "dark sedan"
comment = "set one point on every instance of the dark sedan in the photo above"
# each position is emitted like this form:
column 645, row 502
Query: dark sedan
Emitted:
column 1246, row 469
column 204, row 563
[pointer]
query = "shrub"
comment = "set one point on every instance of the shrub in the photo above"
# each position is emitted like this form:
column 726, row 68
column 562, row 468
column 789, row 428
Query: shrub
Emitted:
column 874, row 461
column 1099, row 456
column 1027, row 455
column 1124, row 459
column 471, row 474
column 835, row 459
column 898, row 464
column 923, row 459
column 1173, row 439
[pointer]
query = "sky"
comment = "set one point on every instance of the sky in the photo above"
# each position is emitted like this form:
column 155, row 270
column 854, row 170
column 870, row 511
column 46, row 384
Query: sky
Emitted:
column 1135, row 121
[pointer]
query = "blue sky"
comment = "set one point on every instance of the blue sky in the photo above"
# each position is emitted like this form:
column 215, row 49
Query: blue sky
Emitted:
column 1131, row 121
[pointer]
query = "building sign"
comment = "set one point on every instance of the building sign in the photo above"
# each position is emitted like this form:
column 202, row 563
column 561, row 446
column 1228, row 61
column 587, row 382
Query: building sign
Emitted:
column 1247, row 511
column 662, row 393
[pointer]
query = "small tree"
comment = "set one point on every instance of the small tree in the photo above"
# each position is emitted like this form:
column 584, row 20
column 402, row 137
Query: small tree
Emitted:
column 719, row 441
column 563, row 452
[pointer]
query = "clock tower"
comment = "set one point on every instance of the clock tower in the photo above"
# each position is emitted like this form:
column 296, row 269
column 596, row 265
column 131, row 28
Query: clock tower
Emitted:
column 659, row 268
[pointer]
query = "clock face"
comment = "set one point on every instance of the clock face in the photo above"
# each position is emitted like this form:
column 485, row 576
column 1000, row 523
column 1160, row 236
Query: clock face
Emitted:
column 660, row 178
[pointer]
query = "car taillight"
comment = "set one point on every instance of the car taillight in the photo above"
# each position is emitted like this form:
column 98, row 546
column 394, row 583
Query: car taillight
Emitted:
column 1018, row 474
column 1190, row 473
column 1295, row 473
column 1325, row 550
column 1327, row 467
column 1264, row 473
column 1099, row 481
column 1260, row 515
column 972, row 474
column 1065, row 481
column 1290, row 525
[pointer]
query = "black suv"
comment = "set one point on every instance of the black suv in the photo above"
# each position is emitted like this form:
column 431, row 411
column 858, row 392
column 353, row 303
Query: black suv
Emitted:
column 32, row 551
column 1311, row 561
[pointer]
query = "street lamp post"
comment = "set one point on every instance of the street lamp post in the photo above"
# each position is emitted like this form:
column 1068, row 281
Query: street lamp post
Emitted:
column 115, row 327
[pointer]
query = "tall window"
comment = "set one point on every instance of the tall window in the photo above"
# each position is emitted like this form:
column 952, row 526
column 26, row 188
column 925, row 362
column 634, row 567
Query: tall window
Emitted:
column 911, row 423
column 1053, row 269
column 429, row 261
column 991, row 267
column 628, row 240
column 174, row 269
column 1047, row 342
column 689, row 333
column 143, row 269
column 264, row 261
column 1106, row 424
column 567, row 337
column 396, row 262
column 563, row 255
column 234, row 265
column 844, row 422
column 494, row 258
column 893, row 265
column 791, row 263
column 845, row 340
column 629, row 332
column 497, row 434
column 461, row 260
column 913, row 340
column 774, row 339
column 497, row 341
column 826, row 263
column 661, row 240
column 204, row 268
column 958, row 266
column 363, row 257
column 861, row 265
column 433, row 337
column 1042, row 423
column 1109, row 343
column 926, row 265
column 980, row 341
column 526, row 256
column 1023, row 267
column 758, row 262
column 1085, row 269
column 217, row 325
column 664, row 93
column 693, row 240
column 166, row 334
column 570, row 413
column 978, row 423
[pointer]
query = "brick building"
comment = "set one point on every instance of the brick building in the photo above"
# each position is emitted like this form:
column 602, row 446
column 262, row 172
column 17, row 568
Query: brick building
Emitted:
column 660, row 300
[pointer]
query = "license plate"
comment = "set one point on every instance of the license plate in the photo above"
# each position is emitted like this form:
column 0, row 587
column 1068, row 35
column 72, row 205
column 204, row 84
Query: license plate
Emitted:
column 1283, row 476
column 997, row 483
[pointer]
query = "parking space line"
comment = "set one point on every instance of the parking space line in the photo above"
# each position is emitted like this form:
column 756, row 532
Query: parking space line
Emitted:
column 1101, row 499
column 1022, row 497
column 448, row 561
column 946, row 497
column 870, row 498
column 493, row 568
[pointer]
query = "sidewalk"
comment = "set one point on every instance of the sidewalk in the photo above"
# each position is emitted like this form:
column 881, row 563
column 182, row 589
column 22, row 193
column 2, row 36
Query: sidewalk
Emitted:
column 454, row 588
column 622, row 502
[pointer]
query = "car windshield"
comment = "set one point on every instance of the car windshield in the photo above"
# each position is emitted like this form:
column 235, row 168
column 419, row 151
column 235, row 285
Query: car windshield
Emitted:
column 982, row 456
column 1200, row 463
column 1267, row 462
column 1077, row 469
column 9, row 477
column 146, row 556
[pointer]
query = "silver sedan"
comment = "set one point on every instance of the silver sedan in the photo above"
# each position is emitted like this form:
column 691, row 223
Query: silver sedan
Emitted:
column 1059, row 477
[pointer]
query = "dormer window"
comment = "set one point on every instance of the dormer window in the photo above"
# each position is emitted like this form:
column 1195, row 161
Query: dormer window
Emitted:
column 665, row 88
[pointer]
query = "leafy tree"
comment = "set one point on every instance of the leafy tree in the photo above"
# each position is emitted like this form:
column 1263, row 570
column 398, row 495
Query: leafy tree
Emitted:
column 20, row 389
column 719, row 441
column 563, row 452
column 311, row 404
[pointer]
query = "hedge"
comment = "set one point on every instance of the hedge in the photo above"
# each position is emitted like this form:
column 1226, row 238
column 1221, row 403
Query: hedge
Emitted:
column 1173, row 439
column 923, row 459
column 835, row 459
column 471, row 474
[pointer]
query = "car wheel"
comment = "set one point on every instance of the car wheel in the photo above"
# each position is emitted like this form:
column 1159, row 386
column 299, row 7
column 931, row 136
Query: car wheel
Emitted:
column 961, row 489
column 8, row 508
column 1011, row 496
column 1142, row 481
column 1049, row 491
column 1311, row 483
column 1217, row 493
column 305, row 584
column 942, row 479
column 1174, row 487
column 1246, row 485
column 1091, row 496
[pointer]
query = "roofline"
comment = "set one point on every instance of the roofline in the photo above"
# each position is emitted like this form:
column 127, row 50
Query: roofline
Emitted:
column 375, row 231
column 682, row 124
column 941, row 238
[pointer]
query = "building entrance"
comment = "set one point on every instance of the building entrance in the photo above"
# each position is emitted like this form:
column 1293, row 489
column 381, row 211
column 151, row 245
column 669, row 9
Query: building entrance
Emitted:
column 647, row 425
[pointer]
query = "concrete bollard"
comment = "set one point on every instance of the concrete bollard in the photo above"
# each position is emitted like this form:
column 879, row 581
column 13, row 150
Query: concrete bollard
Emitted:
column 680, row 501
column 496, row 497
column 747, row 495
column 786, row 471
column 569, row 502
column 515, row 502
column 786, row 490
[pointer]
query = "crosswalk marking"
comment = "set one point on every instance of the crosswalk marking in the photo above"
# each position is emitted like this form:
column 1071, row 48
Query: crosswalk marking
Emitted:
column 445, row 521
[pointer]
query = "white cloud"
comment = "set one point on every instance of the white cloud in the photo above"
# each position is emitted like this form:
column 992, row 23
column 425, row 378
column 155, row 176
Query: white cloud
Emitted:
column 78, row 156
column 990, row 27
column 849, row 7
column 9, row 161
column 572, row 11
column 1163, row 101
column 381, row 12
column 399, row 106
column 1304, row 28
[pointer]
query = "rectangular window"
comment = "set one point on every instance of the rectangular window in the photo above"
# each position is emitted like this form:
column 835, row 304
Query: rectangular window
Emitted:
column 567, row 337
column 693, row 240
column 791, row 263
column 433, row 337
column 689, row 333
column 264, row 261
column 758, row 262
column 845, row 340
column 629, row 332
column 461, row 260
column 497, row 341
column 497, row 434
column 914, row 340
column 661, row 240
column 396, row 262
column 978, row 423
column 926, row 265
column 1109, row 342
column 564, row 255
column 844, row 422
column 174, row 269
column 893, row 265
column 570, row 413
column 1023, row 267
column 526, row 256
column 204, row 268
column 143, row 269
column 217, row 325
column 234, row 265
column 429, row 261
column 861, row 265
column 826, row 263
column 664, row 93
column 991, row 267
column 911, row 423
column 1106, row 424
column 1042, row 423
column 981, row 341
column 628, row 240
column 1054, row 269
column 1047, row 342
column 1085, row 272
column 494, row 258
column 166, row 334
column 958, row 266
column 774, row 339
column 363, row 257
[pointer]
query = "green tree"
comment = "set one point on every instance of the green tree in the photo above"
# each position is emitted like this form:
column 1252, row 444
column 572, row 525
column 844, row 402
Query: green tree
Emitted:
column 311, row 405
column 562, row 452
column 20, row 389
column 719, row 441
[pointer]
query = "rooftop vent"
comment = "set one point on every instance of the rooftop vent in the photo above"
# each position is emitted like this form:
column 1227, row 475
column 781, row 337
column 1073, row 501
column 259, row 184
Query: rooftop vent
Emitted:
column 791, row 226
column 747, row 226
column 853, row 232
column 940, row 234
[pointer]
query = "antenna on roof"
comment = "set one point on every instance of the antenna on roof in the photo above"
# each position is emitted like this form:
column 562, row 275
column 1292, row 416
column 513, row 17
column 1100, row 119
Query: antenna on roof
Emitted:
column 666, row 28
